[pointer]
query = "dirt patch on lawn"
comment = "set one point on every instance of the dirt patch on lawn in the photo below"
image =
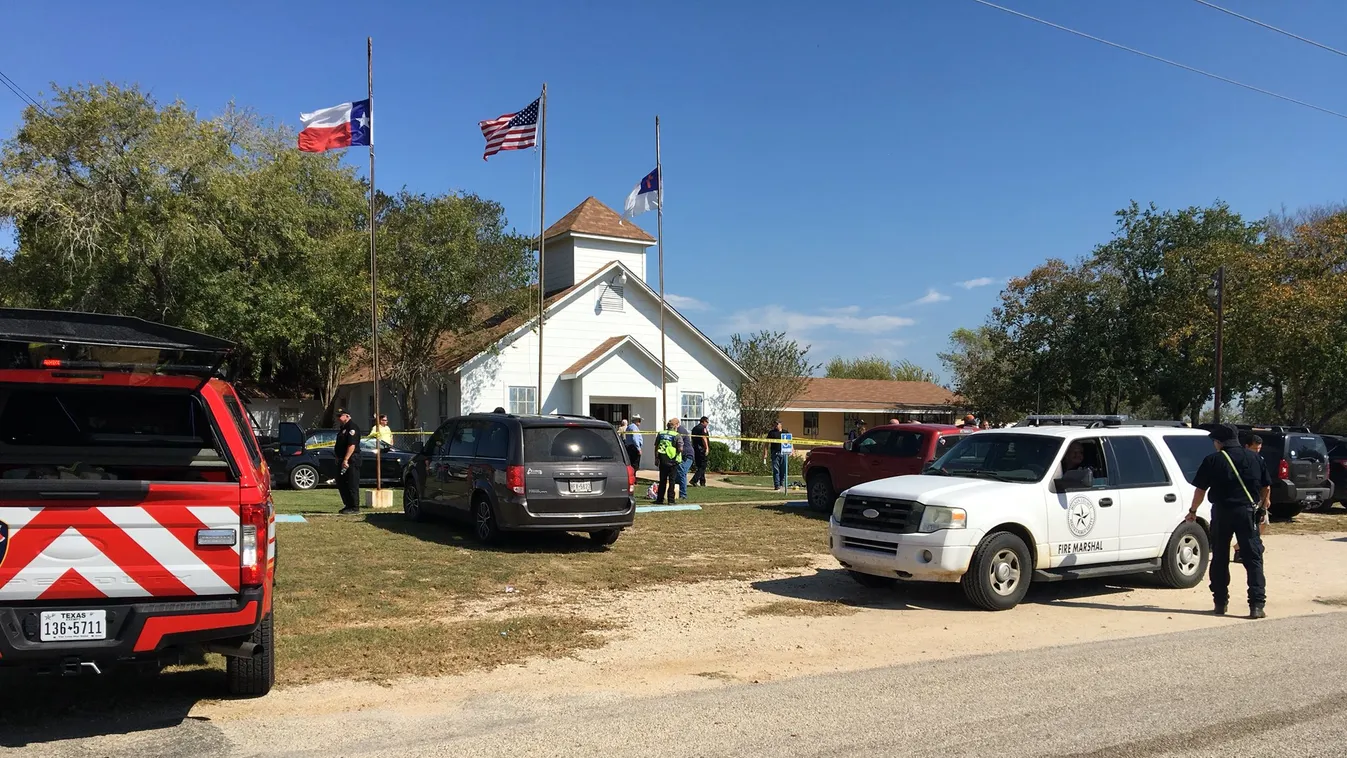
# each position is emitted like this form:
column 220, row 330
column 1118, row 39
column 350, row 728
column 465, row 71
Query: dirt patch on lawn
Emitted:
column 802, row 608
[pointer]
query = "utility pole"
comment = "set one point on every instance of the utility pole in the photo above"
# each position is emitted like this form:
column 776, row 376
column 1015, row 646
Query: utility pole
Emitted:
column 1217, row 293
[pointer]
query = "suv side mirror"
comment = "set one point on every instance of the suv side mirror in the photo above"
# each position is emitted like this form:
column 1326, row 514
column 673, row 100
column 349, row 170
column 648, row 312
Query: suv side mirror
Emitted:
column 847, row 445
column 1076, row 479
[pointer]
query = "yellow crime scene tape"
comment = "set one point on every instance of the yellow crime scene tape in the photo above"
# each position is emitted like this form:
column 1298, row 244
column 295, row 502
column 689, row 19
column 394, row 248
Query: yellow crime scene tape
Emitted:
column 768, row 440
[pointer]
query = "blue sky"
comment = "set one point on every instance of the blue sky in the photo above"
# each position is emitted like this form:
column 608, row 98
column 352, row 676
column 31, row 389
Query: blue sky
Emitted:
column 861, row 174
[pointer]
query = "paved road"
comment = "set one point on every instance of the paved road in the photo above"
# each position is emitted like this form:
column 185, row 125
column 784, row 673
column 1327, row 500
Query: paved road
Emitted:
column 1269, row 688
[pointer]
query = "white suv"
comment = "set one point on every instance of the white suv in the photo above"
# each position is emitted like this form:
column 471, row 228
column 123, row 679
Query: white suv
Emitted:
column 1006, row 507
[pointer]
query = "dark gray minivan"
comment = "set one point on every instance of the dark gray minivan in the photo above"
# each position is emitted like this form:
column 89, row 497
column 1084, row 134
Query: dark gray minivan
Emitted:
column 504, row 472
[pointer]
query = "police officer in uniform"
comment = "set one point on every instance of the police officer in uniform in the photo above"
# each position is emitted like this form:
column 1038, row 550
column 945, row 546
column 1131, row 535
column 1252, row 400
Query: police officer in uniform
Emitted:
column 1238, row 482
column 347, row 452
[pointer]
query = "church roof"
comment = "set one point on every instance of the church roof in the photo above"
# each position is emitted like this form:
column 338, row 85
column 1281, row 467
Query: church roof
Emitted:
column 593, row 217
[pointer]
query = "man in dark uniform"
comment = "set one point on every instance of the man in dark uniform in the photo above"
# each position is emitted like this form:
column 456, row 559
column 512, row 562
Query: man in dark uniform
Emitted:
column 1238, row 482
column 346, row 450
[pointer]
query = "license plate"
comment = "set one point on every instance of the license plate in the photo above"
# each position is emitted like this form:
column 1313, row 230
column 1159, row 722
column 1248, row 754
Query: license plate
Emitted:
column 1312, row 496
column 70, row 626
column 581, row 486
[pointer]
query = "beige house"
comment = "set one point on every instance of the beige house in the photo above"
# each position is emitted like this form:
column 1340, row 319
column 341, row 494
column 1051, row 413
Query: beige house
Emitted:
column 830, row 408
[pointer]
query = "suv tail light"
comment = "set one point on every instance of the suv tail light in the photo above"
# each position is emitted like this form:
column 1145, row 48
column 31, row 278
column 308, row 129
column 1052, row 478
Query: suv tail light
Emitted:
column 1283, row 470
column 631, row 480
column 514, row 479
column 256, row 519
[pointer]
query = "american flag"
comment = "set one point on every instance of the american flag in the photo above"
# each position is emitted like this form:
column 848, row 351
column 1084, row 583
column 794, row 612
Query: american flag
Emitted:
column 512, row 131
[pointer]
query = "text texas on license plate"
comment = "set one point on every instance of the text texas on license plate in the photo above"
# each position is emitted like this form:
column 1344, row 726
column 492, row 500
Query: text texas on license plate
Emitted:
column 69, row 626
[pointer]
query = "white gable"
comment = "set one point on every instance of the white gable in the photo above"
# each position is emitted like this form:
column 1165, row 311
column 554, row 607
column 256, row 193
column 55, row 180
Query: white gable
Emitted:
column 627, row 375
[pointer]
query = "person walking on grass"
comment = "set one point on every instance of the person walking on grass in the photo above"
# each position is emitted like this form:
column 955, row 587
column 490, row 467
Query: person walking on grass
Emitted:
column 688, row 452
column 669, row 457
column 778, row 461
column 701, row 448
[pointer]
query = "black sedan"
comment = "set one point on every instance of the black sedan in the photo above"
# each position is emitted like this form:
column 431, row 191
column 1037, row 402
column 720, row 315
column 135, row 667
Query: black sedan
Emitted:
column 303, row 460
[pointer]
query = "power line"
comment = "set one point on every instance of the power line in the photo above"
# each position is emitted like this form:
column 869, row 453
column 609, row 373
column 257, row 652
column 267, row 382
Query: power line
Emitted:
column 19, row 92
column 1256, row 22
column 1176, row 64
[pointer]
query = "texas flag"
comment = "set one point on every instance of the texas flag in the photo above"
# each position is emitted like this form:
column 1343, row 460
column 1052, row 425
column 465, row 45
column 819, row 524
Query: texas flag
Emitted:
column 345, row 125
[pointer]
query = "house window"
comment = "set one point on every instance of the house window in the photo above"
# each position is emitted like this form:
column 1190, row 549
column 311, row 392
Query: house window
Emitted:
column 610, row 298
column 523, row 401
column 442, row 398
column 694, row 407
column 293, row 415
column 811, row 423
column 849, row 422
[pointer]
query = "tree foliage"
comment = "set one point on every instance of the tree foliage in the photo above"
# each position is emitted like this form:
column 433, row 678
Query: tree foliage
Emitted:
column 1130, row 328
column 877, row 367
column 441, row 259
column 124, row 205
column 778, row 369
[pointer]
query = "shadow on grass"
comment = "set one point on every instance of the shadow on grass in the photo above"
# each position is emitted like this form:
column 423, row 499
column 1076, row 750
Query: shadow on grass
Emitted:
column 836, row 585
column 37, row 709
column 796, row 508
column 453, row 534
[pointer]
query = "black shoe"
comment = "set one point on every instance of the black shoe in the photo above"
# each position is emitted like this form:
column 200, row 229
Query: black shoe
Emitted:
column 1220, row 608
column 352, row 511
column 1256, row 612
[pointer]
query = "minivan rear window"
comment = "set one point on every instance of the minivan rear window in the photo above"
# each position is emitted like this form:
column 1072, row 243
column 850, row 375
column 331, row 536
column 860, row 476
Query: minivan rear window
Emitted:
column 563, row 444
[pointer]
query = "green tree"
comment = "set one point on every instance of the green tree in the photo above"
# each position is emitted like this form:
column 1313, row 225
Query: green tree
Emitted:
column 125, row 205
column 778, row 369
column 443, row 261
column 877, row 367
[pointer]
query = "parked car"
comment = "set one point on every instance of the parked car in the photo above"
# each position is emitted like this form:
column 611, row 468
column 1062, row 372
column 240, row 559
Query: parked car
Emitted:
column 1298, row 461
column 1337, row 466
column 889, row 450
column 507, row 473
column 998, row 511
column 303, row 460
column 136, row 520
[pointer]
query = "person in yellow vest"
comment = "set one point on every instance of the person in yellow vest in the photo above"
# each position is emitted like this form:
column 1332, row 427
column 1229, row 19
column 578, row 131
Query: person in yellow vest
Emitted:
column 383, row 431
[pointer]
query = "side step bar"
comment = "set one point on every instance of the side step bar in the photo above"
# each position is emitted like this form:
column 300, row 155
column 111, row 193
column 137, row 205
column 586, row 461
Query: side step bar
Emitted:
column 1089, row 572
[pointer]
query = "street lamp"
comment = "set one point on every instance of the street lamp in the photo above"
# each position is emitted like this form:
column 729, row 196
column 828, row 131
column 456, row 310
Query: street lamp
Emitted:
column 1216, row 294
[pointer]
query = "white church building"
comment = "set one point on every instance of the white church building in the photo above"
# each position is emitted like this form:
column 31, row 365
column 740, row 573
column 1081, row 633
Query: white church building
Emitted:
column 601, row 345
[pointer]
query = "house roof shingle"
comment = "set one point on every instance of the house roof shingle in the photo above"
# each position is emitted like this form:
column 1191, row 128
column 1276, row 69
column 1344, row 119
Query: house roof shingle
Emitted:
column 871, row 394
column 593, row 355
column 593, row 217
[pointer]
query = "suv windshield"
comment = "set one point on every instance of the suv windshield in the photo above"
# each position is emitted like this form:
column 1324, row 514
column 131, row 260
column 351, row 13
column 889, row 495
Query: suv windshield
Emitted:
column 1004, row 457
column 560, row 444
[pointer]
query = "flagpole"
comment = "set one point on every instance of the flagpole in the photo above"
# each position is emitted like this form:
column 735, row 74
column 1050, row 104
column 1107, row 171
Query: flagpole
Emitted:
column 373, row 276
column 542, row 231
column 663, row 306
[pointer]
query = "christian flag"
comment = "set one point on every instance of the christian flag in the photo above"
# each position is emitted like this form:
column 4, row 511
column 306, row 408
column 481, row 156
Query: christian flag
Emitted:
column 645, row 196
column 345, row 125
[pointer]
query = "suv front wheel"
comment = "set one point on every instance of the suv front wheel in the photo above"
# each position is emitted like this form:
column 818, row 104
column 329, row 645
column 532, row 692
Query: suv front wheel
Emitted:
column 1185, row 560
column 998, row 575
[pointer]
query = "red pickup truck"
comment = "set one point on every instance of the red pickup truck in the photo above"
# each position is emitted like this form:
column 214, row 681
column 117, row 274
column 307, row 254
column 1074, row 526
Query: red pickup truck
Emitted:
column 882, row 452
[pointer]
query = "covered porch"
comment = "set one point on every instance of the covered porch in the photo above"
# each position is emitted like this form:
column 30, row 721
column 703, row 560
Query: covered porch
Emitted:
column 617, row 380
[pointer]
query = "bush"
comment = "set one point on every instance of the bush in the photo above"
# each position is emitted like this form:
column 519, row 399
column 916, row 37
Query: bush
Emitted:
column 722, row 459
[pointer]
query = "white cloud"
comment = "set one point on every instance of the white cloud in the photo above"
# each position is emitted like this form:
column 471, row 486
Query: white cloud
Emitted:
column 684, row 303
column 981, row 281
column 931, row 296
column 848, row 319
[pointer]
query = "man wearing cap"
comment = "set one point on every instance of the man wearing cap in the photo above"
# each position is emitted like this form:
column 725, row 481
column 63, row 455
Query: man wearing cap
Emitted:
column 1238, row 482
column 347, row 452
column 633, row 440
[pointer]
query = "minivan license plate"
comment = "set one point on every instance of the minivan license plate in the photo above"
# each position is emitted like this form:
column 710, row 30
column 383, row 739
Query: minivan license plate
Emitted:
column 581, row 486
column 71, row 626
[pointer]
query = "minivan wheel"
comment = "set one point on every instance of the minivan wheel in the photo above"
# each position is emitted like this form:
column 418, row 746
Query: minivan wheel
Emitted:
column 605, row 537
column 411, row 502
column 998, row 575
column 821, row 495
column 484, row 524
column 1185, row 560
column 303, row 477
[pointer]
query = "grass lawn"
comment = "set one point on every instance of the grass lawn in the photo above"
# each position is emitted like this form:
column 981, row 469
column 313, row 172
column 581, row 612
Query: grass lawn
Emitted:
column 376, row 596
column 327, row 501
column 757, row 481
column 703, row 495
